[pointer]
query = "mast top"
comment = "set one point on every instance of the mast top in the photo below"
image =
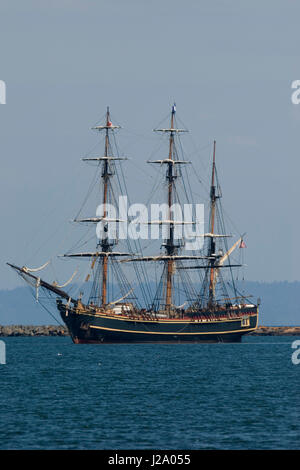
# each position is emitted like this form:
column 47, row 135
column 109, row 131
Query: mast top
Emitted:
column 108, row 124
column 171, row 129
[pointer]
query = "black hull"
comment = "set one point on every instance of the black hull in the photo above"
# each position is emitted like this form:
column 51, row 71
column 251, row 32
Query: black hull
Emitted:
column 88, row 328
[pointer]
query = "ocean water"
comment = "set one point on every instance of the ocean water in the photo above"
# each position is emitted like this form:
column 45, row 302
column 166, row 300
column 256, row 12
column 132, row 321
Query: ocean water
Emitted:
column 57, row 395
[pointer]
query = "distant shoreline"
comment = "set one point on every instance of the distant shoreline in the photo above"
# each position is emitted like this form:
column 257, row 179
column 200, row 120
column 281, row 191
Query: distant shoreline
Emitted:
column 57, row 330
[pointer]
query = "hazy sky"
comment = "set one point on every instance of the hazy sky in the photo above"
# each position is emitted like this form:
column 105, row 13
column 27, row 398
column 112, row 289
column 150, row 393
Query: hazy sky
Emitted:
column 229, row 66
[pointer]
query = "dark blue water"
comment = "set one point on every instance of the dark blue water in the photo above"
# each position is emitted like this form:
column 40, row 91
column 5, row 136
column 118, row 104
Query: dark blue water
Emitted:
column 57, row 395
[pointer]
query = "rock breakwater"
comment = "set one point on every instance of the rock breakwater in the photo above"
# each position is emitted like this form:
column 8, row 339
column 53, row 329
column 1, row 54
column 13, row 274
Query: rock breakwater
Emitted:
column 33, row 330
column 276, row 331
column 57, row 330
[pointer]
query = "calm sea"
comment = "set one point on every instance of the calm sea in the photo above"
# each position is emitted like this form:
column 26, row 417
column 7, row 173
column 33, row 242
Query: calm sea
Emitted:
column 57, row 395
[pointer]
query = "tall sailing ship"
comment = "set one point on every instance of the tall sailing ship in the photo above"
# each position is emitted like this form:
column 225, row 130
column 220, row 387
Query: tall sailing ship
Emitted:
column 208, row 314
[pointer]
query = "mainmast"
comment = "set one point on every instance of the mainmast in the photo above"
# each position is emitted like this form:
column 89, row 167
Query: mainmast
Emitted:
column 170, row 248
column 171, row 256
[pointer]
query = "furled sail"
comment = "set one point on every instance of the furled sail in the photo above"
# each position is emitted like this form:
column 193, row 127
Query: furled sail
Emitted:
column 68, row 282
column 169, row 160
column 224, row 258
column 33, row 270
column 164, row 257
column 104, row 254
column 122, row 298
column 228, row 253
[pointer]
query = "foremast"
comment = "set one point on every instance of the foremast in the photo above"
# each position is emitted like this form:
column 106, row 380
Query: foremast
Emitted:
column 104, row 250
column 212, row 244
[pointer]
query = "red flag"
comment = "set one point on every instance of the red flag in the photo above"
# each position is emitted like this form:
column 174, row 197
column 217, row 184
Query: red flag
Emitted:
column 243, row 244
column 109, row 124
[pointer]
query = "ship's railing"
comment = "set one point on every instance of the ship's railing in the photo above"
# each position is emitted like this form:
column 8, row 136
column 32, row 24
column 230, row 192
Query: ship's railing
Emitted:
column 148, row 315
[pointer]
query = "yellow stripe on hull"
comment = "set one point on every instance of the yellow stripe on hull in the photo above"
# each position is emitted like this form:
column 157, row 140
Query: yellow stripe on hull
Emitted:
column 170, row 333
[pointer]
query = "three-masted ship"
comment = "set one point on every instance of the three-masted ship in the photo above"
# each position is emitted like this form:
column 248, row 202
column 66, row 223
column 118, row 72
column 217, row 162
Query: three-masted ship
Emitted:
column 208, row 313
